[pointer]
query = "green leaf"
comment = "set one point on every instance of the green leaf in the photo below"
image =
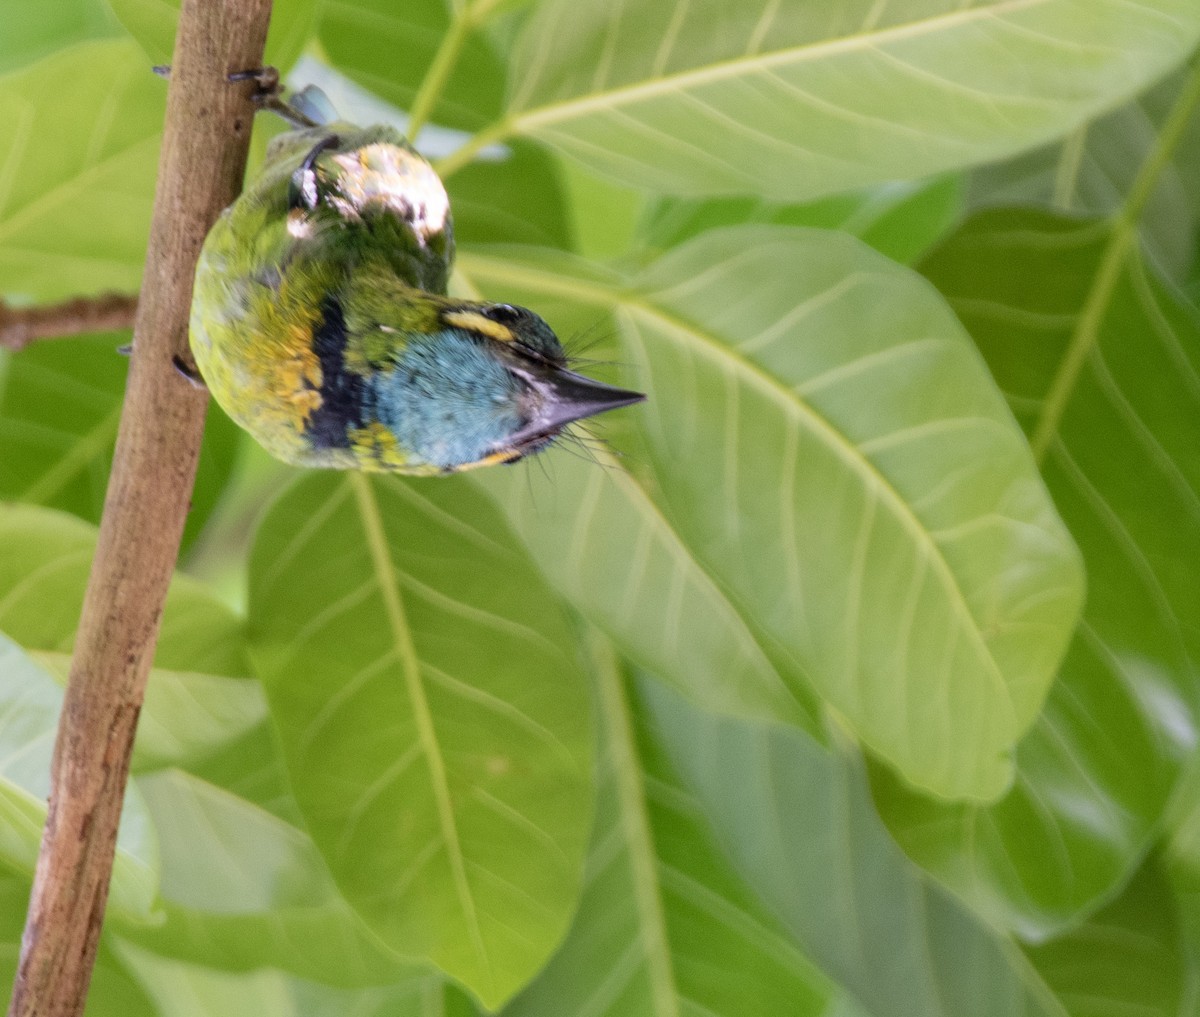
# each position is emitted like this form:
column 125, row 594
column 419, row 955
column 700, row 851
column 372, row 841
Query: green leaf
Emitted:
column 901, row 220
column 78, row 160
column 665, row 927
column 388, row 48
column 433, row 715
column 798, row 825
column 828, row 445
column 193, row 700
column 30, row 702
column 152, row 24
column 792, row 101
column 34, row 30
column 651, row 595
column 241, row 888
column 60, row 404
column 666, row 612
column 1095, row 772
column 1127, row 958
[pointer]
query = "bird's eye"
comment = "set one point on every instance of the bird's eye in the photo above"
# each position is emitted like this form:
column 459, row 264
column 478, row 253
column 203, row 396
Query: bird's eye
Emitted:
column 504, row 314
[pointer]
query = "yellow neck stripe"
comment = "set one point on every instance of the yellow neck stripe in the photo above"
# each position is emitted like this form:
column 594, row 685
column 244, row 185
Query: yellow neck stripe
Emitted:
column 473, row 321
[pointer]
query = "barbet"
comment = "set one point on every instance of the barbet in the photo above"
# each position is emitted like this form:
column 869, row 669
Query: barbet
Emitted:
column 321, row 324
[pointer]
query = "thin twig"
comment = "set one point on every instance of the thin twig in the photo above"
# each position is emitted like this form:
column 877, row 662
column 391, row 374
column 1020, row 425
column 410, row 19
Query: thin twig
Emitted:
column 20, row 326
column 203, row 158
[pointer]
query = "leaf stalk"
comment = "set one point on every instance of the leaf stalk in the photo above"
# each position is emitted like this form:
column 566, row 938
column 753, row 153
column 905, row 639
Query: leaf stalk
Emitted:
column 1112, row 263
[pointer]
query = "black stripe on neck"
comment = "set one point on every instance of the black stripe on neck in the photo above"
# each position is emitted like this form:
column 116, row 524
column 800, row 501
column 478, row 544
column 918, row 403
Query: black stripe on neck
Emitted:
column 341, row 391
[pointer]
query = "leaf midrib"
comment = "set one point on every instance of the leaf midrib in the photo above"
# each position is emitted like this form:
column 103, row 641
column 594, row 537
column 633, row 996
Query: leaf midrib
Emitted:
column 634, row 822
column 551, row 113
column 389, row 589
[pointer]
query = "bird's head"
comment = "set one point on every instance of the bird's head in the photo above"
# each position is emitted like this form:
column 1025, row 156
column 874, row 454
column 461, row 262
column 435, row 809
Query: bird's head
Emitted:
column 484, row 383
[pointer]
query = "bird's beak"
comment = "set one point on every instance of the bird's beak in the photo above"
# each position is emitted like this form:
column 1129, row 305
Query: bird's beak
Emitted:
column 567, row 397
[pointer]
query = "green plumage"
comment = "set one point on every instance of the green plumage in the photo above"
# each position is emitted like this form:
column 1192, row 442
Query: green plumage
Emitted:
column 320, row 321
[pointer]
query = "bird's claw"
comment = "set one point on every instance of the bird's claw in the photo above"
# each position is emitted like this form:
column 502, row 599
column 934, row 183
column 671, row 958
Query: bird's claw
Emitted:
column 188, row 371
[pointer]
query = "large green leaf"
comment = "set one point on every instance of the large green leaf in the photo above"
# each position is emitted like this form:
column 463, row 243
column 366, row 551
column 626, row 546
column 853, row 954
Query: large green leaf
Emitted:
column 657, row 601
column 60, row 404
column 30, row 701
column 1095, row 772
column 826, row 443
column 78, row 159
column 197, row 699
column 798, row 825
column 664, row 926
column 433, row 715
column 793, row 101
column 242, row 889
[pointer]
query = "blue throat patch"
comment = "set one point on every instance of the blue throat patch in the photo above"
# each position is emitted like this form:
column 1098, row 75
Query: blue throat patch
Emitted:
column 448, row 401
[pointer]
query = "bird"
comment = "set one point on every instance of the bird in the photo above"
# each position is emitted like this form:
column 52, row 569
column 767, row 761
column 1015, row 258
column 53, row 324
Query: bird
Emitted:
column 320, row 320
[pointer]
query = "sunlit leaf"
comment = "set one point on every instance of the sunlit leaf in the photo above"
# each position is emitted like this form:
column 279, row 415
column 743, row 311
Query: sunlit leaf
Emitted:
column 434, row 718
column 826, row 443
column 794, row 101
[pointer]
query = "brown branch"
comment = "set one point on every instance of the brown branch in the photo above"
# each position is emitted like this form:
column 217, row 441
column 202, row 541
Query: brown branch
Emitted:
column 20, row 326
column 203, row 158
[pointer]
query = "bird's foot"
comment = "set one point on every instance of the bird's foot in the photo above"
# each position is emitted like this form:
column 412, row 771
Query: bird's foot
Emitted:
column 188, row 371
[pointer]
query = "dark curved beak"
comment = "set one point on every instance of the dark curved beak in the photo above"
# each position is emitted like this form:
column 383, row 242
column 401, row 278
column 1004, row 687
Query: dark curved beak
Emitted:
column 567, row 397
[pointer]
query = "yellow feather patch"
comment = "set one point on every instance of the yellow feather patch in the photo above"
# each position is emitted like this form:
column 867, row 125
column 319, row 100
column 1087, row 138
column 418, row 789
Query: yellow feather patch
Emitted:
column 376, row 447
column 473, row 321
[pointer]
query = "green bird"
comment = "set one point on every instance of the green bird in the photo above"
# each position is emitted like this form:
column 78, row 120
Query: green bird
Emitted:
column 320, row 320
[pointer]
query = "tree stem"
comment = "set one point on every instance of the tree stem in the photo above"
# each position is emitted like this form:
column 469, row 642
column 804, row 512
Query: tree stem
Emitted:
column 203, row 159
column 20, row 326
